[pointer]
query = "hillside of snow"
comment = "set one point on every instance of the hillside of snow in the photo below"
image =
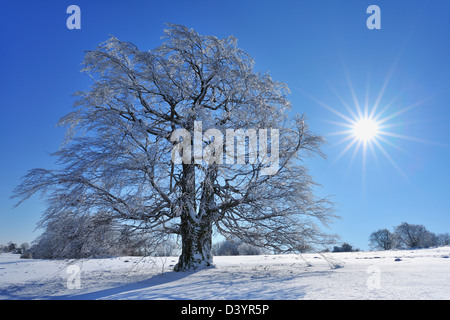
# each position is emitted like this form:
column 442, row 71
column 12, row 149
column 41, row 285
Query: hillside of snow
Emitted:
column 403, row 274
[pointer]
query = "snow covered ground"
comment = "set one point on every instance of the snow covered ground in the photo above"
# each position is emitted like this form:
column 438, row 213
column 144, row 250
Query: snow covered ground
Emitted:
column 408, row 274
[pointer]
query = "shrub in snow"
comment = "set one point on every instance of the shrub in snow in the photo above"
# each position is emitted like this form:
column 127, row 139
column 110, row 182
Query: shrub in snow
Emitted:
column 234, row 248
column 248, row 249
column 26, row 255
column 225, row 248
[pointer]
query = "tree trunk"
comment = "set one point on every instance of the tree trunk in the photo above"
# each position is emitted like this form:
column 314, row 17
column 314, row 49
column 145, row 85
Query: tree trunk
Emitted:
column 196, row 245
column 196, row 228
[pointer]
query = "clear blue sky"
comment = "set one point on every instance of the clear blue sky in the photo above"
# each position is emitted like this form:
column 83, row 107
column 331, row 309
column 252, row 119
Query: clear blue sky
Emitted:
column 321, row 49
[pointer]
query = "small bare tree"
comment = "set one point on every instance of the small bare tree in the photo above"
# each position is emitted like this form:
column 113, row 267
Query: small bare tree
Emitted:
column 118, row 155
column 382, row 239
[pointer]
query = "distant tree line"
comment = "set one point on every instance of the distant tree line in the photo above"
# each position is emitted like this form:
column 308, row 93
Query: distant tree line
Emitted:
column 12, row 247
column 75, row 237
column 407, row 236
column 345, row 247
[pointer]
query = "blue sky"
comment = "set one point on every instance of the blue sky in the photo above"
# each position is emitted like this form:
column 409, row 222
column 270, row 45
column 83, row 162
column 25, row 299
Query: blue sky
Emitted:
column 321, row 49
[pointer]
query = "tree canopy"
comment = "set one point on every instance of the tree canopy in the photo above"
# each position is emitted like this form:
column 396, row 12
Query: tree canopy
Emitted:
column 117, row 160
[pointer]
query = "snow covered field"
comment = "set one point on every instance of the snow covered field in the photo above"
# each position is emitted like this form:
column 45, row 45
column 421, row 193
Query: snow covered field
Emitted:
column 408, row 274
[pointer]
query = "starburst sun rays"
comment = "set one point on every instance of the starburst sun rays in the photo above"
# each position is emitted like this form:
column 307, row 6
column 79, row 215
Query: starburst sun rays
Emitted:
column 369, row 127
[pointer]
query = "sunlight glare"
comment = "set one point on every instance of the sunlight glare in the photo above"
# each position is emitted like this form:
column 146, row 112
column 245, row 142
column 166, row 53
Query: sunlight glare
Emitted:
column 365, row 129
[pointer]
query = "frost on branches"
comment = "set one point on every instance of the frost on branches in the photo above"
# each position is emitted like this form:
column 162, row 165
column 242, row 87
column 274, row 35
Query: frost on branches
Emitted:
column 117, row 160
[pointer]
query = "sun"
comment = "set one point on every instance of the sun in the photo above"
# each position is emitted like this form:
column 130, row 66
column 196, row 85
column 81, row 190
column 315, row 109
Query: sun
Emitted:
column 365, row 129
column 370, row 127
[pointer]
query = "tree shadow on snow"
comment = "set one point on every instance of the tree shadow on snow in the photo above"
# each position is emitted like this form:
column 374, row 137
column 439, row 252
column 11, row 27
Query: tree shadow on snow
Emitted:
column 128, row 290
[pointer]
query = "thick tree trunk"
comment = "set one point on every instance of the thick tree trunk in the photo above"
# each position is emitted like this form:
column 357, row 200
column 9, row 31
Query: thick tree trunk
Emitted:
column 196, row 245
column 196, row 227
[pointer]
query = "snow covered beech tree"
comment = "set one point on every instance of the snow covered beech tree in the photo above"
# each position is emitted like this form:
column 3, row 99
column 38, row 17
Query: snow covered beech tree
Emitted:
column 118, row 155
